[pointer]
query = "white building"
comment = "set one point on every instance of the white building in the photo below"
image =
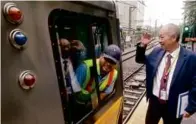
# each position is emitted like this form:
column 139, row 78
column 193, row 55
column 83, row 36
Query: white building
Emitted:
column 131, row 13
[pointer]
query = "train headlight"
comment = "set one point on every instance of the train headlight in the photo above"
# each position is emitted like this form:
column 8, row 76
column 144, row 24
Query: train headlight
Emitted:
column 18, row 38
column 12, row 13
column 27, row 79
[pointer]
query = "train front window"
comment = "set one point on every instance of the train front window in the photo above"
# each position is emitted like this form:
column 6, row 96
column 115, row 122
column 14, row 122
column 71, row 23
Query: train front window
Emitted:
column 80, row 41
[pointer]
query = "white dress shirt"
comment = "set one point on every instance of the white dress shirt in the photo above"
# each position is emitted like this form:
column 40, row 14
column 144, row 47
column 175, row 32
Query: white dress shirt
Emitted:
column 74, row 82
column 159, row 73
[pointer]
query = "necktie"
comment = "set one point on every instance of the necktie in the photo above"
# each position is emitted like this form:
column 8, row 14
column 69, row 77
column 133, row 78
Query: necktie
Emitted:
column 67, row 77
column 164, row 79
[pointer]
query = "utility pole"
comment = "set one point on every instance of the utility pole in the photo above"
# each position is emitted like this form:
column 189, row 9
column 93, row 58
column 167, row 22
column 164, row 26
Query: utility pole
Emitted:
column 130, row 14
column 130, row 11
column 155, row 33
column 130, row 22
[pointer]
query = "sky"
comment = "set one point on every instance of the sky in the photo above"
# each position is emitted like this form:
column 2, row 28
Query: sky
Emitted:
column 165, row 11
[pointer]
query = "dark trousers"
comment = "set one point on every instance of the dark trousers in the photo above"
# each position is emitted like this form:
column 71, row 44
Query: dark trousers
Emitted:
column 156, row 110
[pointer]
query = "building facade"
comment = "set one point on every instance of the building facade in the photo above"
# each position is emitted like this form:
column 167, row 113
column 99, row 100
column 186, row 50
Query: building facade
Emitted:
column 131, row 13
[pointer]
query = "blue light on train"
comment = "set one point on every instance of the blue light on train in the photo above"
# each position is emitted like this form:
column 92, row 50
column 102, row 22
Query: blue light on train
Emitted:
column 20, row 38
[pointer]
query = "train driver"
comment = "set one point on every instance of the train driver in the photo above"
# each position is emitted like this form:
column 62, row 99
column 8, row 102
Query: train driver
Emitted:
column 106, row 70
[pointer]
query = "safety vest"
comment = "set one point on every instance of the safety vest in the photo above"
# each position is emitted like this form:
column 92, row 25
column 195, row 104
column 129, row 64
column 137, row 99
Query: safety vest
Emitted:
column 89, row 84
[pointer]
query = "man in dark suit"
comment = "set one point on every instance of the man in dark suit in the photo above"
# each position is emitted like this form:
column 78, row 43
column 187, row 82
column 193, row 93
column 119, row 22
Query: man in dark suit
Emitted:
column 170, row 71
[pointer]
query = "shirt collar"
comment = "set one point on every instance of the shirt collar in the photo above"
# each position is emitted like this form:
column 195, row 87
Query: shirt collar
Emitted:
column 174, row 53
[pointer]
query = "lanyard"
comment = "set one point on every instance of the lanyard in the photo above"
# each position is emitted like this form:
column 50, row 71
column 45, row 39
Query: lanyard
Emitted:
column 175, row 59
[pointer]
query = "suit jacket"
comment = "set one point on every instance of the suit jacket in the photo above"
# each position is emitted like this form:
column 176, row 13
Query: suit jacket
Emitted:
column 184, row 77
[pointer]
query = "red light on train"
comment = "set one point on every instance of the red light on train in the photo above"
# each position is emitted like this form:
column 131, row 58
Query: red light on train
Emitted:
column 15, row 14
column 27, row 80
column 12, row 13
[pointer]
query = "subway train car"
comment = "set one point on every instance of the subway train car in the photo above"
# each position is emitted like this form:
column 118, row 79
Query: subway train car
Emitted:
column 33, row 86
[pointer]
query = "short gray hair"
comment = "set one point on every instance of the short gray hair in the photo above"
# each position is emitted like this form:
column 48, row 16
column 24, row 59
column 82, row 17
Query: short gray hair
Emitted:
column 173, row 30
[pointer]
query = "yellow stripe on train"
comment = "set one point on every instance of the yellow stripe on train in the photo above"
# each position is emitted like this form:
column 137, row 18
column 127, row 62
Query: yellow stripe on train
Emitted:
column 111, row 116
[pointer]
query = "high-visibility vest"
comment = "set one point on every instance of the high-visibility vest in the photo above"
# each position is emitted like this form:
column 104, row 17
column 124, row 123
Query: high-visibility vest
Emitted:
column 89, row 84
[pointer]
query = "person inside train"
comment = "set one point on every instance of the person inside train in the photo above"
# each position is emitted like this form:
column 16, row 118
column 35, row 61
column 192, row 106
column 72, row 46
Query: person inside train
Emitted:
column 170, row 72
column 74, row 50
column 107, row 74
column 70, row 51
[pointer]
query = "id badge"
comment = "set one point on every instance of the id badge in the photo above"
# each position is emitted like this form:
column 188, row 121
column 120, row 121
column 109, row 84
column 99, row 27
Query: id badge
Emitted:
column 163, row 95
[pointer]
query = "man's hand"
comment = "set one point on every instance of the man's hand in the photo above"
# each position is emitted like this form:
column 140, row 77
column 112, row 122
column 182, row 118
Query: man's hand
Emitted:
column 76, row 44
column 186, row 115
column 145, row 39
column 102, row 96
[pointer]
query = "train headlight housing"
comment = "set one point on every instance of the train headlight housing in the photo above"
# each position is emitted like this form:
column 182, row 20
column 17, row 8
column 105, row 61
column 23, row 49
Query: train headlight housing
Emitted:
column 12, row 13
column 18, row 38
column 27, row 79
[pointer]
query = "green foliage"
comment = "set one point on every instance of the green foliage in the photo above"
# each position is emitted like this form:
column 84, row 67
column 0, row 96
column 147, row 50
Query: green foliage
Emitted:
column 190, row 12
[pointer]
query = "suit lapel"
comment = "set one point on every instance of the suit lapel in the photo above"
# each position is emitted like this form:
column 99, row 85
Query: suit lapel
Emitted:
column 179, row 64
column 159, row 58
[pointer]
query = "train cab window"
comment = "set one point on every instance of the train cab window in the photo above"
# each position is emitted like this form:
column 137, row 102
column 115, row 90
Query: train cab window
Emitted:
column 81, row 39
column 100, row 37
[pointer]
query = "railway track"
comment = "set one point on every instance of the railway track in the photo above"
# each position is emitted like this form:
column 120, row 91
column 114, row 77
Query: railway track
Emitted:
column 134, row 84
column 125, row 53
column 134, row 90
column 129, row 65
column 128, row 55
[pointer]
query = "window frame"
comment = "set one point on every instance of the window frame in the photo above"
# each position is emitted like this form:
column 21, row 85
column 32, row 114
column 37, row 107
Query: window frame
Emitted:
column 52, row 20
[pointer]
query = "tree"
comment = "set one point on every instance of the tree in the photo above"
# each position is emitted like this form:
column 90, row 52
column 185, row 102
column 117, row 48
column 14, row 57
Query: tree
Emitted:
column 189, row 18
column 190, row 12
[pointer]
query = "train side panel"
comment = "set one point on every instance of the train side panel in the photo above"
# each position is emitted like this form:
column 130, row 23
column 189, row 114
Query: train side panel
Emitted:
column 42, row 104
